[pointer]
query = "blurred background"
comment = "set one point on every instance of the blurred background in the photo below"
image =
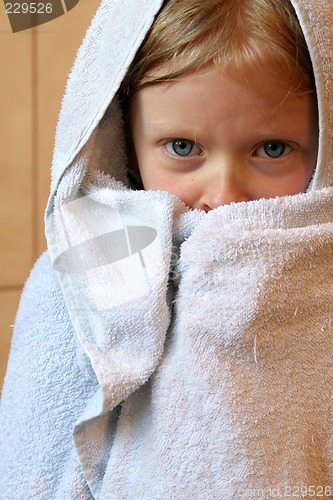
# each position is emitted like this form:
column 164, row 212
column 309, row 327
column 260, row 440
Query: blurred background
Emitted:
column 34, row 67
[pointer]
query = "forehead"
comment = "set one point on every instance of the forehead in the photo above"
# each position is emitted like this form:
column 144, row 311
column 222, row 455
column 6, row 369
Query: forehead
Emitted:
column 211, row 97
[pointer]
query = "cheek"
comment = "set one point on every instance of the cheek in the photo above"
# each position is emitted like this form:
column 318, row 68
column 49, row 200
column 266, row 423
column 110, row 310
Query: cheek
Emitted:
column 295, row 183
column 154, row 178
column 185, row 188
column 161, row 180
column 304, row 173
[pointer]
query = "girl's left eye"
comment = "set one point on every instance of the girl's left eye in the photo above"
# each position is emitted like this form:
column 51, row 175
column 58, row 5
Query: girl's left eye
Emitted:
column 273, row 149
column 182, row 147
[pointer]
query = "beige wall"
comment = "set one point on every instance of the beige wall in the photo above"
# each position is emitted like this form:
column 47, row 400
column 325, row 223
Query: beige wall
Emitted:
column 34, row 68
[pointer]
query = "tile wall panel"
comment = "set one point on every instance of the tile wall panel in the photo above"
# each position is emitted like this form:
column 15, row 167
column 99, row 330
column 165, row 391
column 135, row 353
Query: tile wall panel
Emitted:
column 16, row 145
column 35, row 65
column 16, row 155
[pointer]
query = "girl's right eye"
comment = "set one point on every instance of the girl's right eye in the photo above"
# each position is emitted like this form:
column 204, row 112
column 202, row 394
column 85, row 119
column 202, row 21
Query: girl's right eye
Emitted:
column 182, row 147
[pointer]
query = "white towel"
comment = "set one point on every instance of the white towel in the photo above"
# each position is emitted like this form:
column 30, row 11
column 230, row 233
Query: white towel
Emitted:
column 190, row 354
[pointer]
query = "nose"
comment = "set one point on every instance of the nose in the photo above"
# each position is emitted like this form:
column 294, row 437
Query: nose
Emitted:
column 228, row 184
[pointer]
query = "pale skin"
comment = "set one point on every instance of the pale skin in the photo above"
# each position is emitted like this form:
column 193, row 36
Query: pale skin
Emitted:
column 212, row 140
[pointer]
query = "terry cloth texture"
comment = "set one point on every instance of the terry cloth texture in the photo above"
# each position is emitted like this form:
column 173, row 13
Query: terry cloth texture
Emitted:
column 159, row 351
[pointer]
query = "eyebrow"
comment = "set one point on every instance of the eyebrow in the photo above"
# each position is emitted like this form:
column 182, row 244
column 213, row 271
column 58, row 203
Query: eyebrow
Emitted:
column 168, row 128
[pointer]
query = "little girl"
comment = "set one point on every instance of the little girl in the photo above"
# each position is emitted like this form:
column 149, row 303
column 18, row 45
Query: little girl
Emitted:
column 232, row 84
column 176, row 339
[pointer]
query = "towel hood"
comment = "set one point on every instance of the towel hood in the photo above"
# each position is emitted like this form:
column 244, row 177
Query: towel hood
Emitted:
column 106, row 53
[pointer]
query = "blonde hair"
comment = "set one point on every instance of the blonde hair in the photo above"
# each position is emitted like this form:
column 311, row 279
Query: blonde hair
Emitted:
column 235, row 34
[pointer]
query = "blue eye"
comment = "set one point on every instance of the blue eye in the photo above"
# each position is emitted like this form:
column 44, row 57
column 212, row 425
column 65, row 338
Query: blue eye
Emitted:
column 273, row 149
column 182, row 147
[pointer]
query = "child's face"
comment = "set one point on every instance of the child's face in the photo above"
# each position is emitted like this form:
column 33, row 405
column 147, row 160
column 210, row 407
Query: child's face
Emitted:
column 211, row 140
